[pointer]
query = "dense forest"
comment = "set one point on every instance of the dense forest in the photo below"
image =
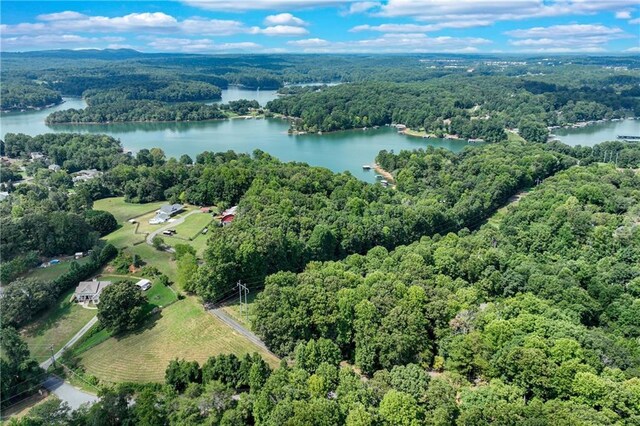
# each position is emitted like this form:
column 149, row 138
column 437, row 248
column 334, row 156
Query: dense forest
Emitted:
column 21, row 95
column 466, row 106
column 498, row 285
column 532, row 319
column 138, row 111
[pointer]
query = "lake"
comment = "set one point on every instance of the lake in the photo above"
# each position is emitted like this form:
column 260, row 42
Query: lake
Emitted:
column 338, row 151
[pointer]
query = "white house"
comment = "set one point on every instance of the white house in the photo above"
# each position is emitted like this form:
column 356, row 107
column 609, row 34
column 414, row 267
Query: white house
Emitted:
column 89, row 291
column 54, row 168
column 165, row 213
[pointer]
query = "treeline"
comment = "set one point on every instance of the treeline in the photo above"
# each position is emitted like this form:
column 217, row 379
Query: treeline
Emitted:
column 177, row 91
column 25, row 95
column 291, row 214
column 136, row 111
column 537, row 309
column 71, row 151
column 20, row 375
column 470, row 107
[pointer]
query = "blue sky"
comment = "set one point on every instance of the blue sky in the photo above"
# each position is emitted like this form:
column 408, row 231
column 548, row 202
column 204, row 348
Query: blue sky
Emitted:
column 325, row 26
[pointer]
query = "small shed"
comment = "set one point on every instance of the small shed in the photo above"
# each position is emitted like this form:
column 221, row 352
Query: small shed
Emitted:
column 79, row 255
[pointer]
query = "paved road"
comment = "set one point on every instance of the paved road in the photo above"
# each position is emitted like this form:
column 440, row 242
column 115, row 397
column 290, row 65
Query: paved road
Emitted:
column 227, row 319
column 67, row 393
column 71, row 395
column 46, row 364
column 173, row 224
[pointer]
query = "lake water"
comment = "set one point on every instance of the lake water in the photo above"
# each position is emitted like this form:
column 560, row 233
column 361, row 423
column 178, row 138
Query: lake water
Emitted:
column 599, row 132
column 336, row 151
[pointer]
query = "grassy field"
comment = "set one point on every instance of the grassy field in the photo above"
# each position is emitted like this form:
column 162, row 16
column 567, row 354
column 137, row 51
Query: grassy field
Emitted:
column 182, row 330
column 158, row 295
column 54, row 271
column 233, row 309
column 124, row 211
column 55, row 327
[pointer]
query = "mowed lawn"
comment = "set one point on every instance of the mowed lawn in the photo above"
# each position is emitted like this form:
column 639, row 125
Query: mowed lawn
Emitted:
column 123, row 211
column 52, row 272
column 55, row 327
column 182, row 330
column 192, row 228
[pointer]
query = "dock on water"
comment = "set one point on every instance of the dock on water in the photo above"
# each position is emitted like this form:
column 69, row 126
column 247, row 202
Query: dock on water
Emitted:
column 629, row 138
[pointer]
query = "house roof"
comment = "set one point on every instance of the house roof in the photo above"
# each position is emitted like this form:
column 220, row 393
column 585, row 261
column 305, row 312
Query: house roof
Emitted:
column 230, row 211
column 91, row 287
column 171, row 208
column 228, row 218
column 143, row 282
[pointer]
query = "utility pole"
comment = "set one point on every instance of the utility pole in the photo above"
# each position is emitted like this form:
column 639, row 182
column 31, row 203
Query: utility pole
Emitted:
column 243, row 305
column 53, row 358
column 617, row 158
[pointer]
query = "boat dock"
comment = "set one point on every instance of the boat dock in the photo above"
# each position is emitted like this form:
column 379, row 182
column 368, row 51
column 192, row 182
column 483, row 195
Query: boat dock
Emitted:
column 629, row 138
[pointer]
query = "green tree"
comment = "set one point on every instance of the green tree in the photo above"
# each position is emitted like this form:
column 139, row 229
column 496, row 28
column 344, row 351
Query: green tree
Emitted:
column 121, row 307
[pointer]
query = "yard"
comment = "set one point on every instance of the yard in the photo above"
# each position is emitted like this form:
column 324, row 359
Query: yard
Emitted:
column 123, row 211
column 53, row 271
column 182, row 330
column 55, row 327
column 190, row 232
column 158, row 295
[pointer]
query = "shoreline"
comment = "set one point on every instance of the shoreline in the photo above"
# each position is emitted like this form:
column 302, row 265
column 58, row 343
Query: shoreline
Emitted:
column 95, row 123
column 387, row 175
column 32, row 108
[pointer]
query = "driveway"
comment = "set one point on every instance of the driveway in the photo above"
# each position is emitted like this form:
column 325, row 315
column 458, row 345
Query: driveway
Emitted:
column 46, row 364
column 67, row 393
column 175, row 223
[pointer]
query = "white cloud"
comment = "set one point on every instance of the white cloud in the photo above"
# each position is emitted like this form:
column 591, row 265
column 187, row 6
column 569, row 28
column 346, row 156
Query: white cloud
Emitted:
column 566, row 38
column 309, row 43
column 212, row 27
column 394, row 43
column 53, row 41
column 361, row 7
column 243, row 5
column 186, row 45
column 284, row 19
column 633, row 49
column 496, row 10
column 623, row 14
column 417, row 28
column 60, row 16
column 635, row 21
column 281, row 30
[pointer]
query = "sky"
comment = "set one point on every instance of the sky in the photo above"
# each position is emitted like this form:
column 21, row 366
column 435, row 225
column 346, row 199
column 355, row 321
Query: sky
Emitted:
column 325, row 26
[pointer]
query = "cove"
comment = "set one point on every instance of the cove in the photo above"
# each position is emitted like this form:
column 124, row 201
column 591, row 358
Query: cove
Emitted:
column 339, row 151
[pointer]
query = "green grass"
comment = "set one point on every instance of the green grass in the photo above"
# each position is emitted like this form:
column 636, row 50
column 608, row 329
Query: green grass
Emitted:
column 160, row 259
column 52, row 272
column 123, row 211
column 182, row 330
column 233, row 309
column 193, row 225
column 512, row 137
column 56, row 327
column 157, row 296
